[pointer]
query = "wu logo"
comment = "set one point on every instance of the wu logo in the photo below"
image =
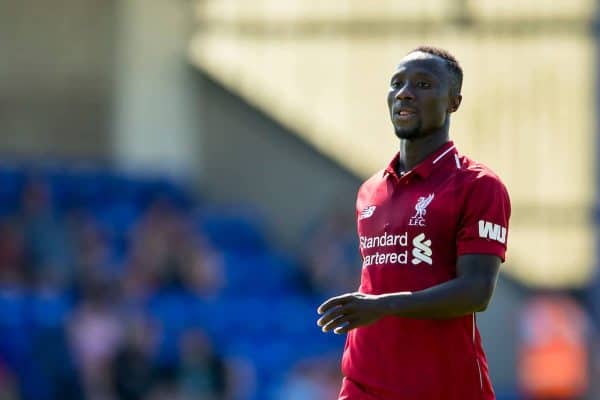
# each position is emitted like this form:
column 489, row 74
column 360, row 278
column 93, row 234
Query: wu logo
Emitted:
column 422, row 250
column 367, row 212
column 488, row 230
column 420, row 210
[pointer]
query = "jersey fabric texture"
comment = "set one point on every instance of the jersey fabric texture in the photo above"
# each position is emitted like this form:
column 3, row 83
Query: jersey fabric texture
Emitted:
column 411, row 229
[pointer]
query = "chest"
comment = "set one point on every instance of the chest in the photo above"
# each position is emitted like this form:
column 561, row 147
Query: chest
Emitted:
column 411, row 208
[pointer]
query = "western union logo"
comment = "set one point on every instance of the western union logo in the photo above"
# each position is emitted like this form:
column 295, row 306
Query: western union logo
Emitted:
column 488, row 230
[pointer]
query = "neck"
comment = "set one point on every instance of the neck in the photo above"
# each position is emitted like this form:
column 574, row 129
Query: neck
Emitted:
column 413, row 151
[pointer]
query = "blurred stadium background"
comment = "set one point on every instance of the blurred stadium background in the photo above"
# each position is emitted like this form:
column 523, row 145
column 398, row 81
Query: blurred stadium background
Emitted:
column 178, row 178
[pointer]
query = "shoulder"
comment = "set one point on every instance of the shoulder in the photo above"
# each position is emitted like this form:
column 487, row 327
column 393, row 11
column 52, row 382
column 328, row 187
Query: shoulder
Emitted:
column 368, row 190
column 476, row 175
column 373, row 181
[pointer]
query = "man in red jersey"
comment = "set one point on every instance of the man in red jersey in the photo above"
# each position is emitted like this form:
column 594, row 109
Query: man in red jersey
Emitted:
column 432, row 232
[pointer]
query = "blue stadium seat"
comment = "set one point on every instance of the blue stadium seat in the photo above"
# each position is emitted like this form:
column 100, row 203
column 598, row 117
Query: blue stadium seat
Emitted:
column 12, row 179
column 234, row 229
column 171, row 310
column 48, row 311
column 259, row 274
column 15, row 336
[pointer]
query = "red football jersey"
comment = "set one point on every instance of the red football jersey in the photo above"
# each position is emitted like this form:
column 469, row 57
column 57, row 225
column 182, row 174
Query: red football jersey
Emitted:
column 411, row 230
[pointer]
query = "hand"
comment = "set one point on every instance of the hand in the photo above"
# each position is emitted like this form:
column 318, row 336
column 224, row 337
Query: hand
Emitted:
column 349, row 311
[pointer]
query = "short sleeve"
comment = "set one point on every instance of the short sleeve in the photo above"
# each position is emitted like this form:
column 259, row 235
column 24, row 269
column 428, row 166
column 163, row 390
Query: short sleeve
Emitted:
column 483, row 227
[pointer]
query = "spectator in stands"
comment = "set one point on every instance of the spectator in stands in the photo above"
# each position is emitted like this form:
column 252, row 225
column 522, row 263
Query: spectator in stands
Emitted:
column 91, row 250
column 153, row 240
column 202, row 373
column 241, row 379
column 164, row 391
column 553, row 349
column 331, row 257
column 165, row 252
column 8, row 386
column 132, row 368
column 12, row 254
column 47, row 243
column 315, row 379
column 203, row 271
column 96, row 331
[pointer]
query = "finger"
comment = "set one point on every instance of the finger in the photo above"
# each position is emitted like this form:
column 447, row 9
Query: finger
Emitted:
column 335, row 312
column 336, row 323
column 334, row 301
column 346, row 327
column 331, row 315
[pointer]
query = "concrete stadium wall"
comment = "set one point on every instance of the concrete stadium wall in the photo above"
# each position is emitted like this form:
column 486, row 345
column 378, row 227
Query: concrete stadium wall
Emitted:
column 56, row 77
column 155, row 124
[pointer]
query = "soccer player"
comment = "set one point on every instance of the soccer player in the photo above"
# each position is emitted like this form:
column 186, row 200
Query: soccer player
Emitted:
column 432, row 232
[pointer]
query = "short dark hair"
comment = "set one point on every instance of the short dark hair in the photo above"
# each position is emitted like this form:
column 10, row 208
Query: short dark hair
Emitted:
column 452, row 64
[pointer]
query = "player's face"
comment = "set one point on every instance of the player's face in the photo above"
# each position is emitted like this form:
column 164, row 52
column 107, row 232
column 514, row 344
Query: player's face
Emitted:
column 419, row 95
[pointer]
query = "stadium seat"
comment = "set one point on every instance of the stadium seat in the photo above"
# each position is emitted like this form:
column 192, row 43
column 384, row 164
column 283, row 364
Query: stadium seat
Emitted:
column 232, row 229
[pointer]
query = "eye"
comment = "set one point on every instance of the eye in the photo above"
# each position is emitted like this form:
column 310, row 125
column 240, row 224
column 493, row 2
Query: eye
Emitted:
column 395, row 84
column 423, row 85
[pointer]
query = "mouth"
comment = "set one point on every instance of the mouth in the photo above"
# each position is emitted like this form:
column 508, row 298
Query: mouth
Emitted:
column 405, row 114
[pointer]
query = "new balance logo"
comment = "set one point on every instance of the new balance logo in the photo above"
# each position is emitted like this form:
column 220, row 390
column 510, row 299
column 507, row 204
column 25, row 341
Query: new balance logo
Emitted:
column 488, row 230
column 367, row 212
column 422, row 250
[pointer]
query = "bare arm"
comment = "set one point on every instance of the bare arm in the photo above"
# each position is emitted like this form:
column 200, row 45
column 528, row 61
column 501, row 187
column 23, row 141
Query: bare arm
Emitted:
column 469, row 292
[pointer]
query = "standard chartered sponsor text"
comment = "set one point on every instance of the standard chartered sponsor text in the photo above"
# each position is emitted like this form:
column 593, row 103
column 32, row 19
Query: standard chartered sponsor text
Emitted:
column 369, row 242
column 381, row 256
column 386, row 258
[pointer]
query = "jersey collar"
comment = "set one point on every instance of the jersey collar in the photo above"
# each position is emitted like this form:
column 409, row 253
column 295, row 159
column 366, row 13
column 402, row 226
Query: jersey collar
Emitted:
column 446, row 152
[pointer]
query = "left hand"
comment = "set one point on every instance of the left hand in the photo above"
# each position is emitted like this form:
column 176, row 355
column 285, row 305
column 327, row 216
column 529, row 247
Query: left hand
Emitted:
column 349, row 311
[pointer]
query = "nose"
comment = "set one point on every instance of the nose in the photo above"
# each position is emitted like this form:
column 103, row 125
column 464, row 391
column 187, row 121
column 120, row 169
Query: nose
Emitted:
column 404, row 93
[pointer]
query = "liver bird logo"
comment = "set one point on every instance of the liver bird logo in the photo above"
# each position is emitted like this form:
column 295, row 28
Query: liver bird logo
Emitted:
column 420, row 210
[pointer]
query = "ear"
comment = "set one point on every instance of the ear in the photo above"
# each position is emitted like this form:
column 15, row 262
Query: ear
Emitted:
column 455, row 101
